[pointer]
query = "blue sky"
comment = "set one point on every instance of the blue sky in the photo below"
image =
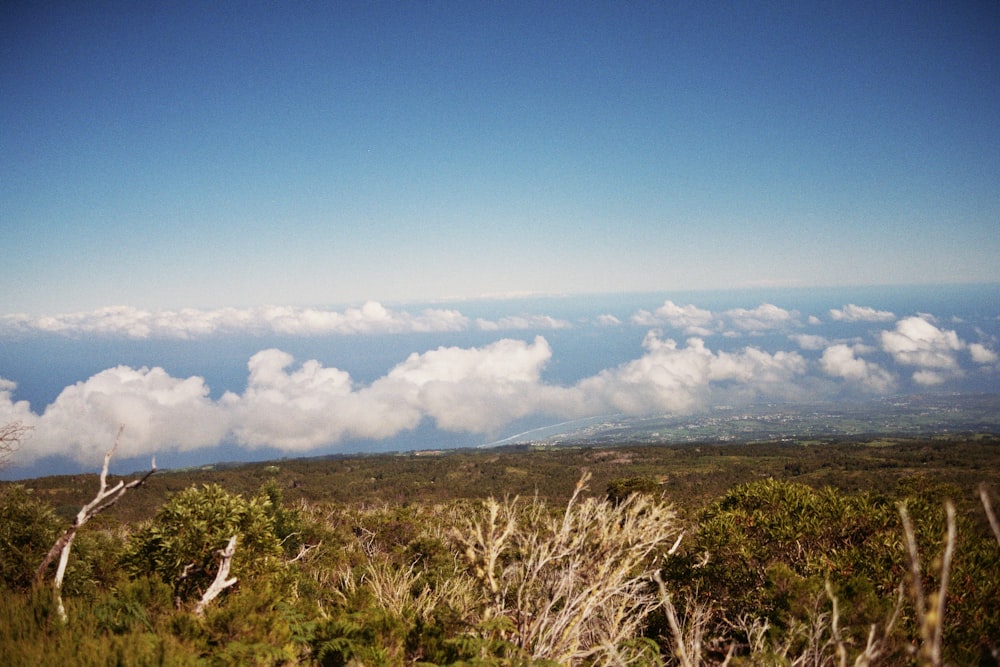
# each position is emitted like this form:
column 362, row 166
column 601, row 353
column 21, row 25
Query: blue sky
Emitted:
column 241, row 154
column 258, row 229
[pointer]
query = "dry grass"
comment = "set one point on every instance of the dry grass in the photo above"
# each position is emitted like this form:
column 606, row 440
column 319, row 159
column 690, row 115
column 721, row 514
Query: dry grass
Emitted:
column 570, row 586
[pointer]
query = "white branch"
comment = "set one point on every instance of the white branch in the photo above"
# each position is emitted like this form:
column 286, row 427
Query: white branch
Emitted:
column 990, row 515
column 304, row 550
column 104, row 499
column 221, row 582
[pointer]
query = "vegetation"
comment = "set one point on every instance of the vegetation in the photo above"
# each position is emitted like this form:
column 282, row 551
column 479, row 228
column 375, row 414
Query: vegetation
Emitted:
column 857, row 552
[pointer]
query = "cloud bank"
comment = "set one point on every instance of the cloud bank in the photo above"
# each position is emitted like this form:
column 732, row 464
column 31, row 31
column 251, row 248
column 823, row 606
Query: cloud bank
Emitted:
column 853, row 313
column 189, row 323
column 300, row 406
column 694, row 321
column 371, row 318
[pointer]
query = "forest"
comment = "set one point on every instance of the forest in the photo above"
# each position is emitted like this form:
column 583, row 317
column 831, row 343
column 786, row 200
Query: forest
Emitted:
column 839, row 551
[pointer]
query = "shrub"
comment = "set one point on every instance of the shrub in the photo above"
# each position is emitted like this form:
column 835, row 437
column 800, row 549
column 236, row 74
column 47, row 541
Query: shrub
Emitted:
column 620, row 488
column 28, row 528
column 181, row 544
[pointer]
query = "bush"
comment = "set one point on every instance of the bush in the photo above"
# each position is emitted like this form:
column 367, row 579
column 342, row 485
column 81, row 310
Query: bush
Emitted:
column 181, row 544
column 620, row 488
column 28, row 528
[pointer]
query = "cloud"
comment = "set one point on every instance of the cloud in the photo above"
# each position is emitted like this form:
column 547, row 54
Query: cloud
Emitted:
column 982, row 354
column 608, row 320
column 809, row 341
column 693, row 321
column 765, row 317
column 11, row 410
column 917, row 342
column 531, row 322
column 840, row 361
column 309, row 407
column 929, row 378
column 674, row 379
column 853, row 313
column 301, row 407
column 161, row 413
column 134, row 323
column 474, row 389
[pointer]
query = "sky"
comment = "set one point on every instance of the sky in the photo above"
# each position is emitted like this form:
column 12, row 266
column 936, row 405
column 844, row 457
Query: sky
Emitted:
column 261, row 229
column 212, row 155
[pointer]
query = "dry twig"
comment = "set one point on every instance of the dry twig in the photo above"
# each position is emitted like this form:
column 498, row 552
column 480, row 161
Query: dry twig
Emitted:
column 930, row 612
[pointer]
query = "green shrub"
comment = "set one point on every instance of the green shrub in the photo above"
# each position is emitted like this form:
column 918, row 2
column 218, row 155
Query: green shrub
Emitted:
column 94, row 563
column 621, row 488
column 28, row 529
column 180, row 545
column 97, row 633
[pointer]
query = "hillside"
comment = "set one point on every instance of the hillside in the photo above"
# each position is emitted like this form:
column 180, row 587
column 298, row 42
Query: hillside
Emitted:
column 690, row 474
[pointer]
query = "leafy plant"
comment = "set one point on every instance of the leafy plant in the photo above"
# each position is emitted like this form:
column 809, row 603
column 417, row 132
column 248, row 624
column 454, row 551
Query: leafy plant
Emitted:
column 28, row 527
column 181, row 544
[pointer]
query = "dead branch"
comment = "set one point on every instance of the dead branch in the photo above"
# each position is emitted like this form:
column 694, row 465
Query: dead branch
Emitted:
column 985, row 497
column 104, row 499
column 11, row 436
column 930, row 614
column 304, row 550
column 221, row 582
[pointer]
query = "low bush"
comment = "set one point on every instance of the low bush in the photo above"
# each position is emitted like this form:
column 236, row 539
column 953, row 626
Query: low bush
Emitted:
column 771, row 573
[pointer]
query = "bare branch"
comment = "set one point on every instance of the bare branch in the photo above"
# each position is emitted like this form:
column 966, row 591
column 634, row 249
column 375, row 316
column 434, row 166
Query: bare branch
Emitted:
column 221, row 582
column 12, row 434
column 916, row 580
column 104, row 499
column 994, row 524
column 930, row 614
column 304, row 550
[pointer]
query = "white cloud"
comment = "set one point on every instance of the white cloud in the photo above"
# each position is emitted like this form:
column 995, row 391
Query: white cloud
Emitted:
column 11, row 410
column 129, row 322
column 515, row 322
column 693, row 321
column 840, row 361
column 309, row 407
column 809, row 341
column 917, row 342
column 765, row 317
column 306, row 406
column 608, row 321
column 930, row 378
column 473, row 389
column 160, row 413
column 674, row 379
column 982, row 354
column 853, row 313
